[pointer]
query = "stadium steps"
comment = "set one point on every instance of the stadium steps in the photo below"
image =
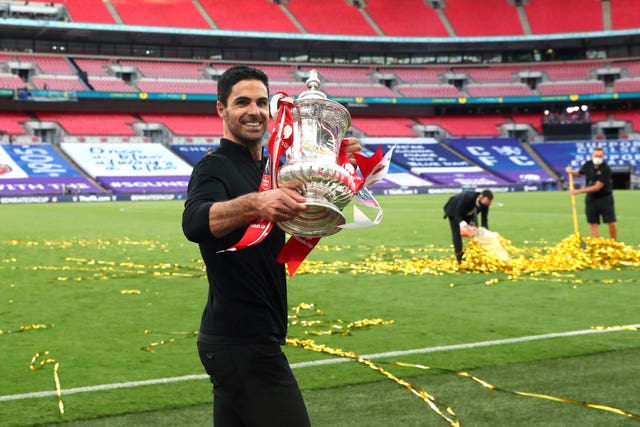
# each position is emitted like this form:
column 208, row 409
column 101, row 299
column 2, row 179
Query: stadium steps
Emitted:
column 114, row 13
column 204, row 14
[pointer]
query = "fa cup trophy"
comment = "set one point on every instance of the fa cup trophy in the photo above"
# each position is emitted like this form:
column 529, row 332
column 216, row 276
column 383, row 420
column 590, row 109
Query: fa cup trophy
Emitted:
column 311, row 163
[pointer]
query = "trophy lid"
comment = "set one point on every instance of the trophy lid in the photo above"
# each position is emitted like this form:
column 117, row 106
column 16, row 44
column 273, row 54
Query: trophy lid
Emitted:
column 313, row 83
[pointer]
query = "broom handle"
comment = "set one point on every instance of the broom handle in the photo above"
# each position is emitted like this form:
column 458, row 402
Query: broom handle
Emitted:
column 573, row 206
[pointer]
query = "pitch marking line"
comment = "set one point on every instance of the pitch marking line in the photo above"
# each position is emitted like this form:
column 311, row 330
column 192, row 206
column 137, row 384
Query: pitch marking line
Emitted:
column 130, row 384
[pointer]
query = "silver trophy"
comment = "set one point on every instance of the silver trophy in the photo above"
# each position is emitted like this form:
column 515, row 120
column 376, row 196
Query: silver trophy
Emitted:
column 311, row 167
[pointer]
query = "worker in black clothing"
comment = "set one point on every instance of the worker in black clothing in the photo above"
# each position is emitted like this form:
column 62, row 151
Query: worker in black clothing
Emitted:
column 462, row 211
column 599, row 190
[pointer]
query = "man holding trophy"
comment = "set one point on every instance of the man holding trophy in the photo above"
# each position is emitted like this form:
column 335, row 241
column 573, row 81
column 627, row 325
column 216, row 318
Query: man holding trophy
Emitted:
column 229, row 196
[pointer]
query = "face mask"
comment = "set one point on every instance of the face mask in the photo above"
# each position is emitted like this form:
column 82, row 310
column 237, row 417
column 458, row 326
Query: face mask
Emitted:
column 597, row 160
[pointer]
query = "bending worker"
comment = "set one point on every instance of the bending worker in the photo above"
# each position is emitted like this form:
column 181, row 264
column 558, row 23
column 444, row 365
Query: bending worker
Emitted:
column 462, row 211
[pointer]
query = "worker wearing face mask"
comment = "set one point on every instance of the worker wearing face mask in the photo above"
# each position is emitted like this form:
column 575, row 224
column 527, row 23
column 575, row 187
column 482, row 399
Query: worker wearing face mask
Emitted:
column 599, row 190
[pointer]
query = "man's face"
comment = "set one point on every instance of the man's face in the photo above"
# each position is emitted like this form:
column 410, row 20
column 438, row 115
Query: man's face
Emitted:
column 246, row 115
column 485, row 201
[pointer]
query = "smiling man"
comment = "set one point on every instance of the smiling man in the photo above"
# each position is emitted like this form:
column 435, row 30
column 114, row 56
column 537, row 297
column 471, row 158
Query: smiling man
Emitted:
column 244, row 322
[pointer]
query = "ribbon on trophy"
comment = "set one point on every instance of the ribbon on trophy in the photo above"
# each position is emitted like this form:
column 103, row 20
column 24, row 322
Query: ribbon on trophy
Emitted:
column 372, row 169
column 279, row 141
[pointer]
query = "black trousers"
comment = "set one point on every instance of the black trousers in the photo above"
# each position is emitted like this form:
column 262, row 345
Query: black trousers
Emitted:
column 253, row 385
column 457, row 239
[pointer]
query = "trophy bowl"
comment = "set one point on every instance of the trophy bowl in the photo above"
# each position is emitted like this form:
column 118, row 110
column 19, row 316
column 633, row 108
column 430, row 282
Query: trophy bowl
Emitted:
column 311, row 167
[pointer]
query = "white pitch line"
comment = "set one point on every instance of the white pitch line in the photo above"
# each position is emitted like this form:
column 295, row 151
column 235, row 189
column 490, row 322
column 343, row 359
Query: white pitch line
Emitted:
column 130, row 384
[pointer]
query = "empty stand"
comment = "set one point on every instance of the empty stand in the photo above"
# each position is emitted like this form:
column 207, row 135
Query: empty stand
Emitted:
column 429, row 91
column 493, row 74
column 188, row 124
column 483, row 18
column 10, row 122
column 330, row 17
column 110, row 84
column 417, row 75
column 627, row 85
column 514, row 89
column 49, row 64
column 567, row 71
column 567, row 16
column 570, row 88
column 177, row 86
column 11, row 81
column 111, row 124
column 343, row 74
column 94, row 67
column 401, row 18
column 632, row 67
column 471, row 125
column 384, row 126
column 624, row 14
column 632, row 117
column 262, row 15
column 174, row 13
column 64, row 83
column 357, row 90
column 162, row 69
column 88, row 11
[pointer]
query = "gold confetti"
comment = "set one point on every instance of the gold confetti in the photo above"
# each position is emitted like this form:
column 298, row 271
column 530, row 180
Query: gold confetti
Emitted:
column 33, row 366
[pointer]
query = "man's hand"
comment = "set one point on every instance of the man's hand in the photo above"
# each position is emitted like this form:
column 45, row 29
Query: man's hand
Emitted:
column 349, row 146
column 280, row 204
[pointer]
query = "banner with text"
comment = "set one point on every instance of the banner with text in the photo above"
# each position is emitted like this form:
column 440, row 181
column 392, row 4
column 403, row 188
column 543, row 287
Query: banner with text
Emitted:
column 559, row 155
column 505, row 157
column 131, row 167
column 431, row 161
column 39, row 169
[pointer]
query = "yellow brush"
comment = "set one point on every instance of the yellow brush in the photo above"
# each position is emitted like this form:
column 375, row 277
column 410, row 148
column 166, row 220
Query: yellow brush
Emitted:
column 575, row 213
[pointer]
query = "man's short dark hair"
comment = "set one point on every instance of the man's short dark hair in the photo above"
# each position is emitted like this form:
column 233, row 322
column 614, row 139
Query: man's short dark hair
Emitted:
column 487, row 193
column 233, row 75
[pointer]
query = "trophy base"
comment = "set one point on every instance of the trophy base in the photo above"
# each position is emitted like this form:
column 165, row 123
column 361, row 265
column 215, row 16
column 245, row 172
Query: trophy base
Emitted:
column 320, row 219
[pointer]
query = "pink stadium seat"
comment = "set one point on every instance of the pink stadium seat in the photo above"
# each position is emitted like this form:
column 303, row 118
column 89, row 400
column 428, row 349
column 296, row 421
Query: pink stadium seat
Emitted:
column 11, row 81
column 177, row 86
column 10, row 122
column 483, row 18
column 94, row 124
column 71, row 83
column 566, row 16
column 358, row 90
column 49, row 64
column 401, row 18
column 624, row 14
column 110, row 84
column 463, row 125
column 627, row 85
column 429, row 91
column 532, row 119
column 262, row 15
column 384, row 126
column 93, row 67
column 632, row 116
column 568, row 70
column 343, row 74
column 570, row 88
column 632, row 67
column 162, row 69
column 188, row 125
column 93, row 11
column 417, row 75
column 330, row 17
column 492, row 74
column 174, row 13
column 513, row 89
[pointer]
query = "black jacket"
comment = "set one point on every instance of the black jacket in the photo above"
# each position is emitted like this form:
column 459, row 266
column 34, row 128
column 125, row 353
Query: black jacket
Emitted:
column 463, row 207
column 247, row 301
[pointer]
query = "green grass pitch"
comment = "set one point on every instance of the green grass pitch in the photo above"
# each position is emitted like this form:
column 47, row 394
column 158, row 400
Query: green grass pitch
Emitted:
column 99, row 285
